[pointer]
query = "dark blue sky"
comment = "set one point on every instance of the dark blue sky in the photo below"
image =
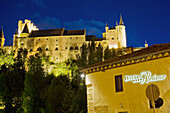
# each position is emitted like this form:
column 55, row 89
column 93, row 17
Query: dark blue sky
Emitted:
column 144, row 19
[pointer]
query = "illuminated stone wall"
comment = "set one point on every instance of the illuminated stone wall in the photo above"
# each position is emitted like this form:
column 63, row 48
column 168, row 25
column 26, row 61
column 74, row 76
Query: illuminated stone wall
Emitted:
column 133, row 98
column 58, row 47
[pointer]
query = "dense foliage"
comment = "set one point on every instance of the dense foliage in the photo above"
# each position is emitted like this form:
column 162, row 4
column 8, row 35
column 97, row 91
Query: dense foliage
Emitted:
column 36, row 85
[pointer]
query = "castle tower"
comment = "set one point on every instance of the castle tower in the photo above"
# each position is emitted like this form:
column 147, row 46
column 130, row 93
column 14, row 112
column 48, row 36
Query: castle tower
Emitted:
column 121, row 34
column 106, row 28
column 2, row 39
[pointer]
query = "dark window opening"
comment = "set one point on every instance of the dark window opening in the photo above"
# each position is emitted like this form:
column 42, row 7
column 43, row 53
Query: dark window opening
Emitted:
column 70, row 37
column 76, row 47
column 118, row 83
column 56, row 48
column 31, row 50
column 47, row 39
column 46, row 49
column 39, row 49
column 56, row 40
column 76, row 37
column 66, row 47
column 71, row 48
column 112, row 38
column 39, row 39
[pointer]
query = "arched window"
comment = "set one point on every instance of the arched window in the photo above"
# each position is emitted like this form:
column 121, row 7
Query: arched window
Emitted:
column 46, row 49
column 76, row 48
column 56, row 48
column 71, row 48
column 39, row 49
column 31, row 50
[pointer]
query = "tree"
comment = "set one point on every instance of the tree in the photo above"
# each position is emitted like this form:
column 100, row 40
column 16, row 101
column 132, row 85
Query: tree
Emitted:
column 99, row 53
column 82, row 60
column 92, row 53
column 107, row 53
column 33, row 86
column 12, row 82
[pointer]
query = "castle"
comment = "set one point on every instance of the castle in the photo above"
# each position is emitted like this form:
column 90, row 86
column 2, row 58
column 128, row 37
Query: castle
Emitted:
column 61, row 44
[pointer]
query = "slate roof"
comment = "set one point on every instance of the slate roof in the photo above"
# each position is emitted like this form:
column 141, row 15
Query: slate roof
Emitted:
column 25, row 30
column 74, row 32
column 56, row 32
column 93, row 38
column 1, row 33
column 49, row 32
column 143, row 52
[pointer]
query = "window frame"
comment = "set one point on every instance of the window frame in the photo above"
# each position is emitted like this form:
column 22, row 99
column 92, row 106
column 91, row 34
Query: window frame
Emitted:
column 115, row 84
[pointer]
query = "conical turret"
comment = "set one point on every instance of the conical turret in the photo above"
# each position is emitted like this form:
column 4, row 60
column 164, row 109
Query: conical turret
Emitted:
column 25, row 30
column 2, row 39
column 121, row 20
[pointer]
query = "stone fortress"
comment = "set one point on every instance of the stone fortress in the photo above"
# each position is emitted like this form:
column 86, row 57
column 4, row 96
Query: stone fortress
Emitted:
column 62, row 44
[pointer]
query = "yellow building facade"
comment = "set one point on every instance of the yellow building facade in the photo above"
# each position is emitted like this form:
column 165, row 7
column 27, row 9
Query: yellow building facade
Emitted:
column 119, row 85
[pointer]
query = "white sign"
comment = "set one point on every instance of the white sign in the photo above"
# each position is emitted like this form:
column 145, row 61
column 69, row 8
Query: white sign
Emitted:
column 144, row 77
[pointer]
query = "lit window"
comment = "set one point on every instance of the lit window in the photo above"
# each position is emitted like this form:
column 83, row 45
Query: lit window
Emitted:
column 118, row 83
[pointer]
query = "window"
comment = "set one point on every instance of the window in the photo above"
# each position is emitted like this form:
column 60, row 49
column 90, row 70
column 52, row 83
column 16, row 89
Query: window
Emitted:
column 71, row 48
column 46, row 49
column 112, row 38
column 76, row 48
column 47, row 39
column 76, row 37
column 56, row 48
column 30, row 50
column 39, row 39
column 123, row 112
column 66, row 47
column 56, row 40
column 39, row 49
column 56, row 44
column 118, row 83
column 70, row 37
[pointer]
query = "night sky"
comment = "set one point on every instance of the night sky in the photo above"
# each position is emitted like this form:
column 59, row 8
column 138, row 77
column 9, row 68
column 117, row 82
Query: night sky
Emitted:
column 144, row 19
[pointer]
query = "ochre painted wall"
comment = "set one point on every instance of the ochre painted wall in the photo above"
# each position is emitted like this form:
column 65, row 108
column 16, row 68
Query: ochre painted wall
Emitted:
column 133, row 98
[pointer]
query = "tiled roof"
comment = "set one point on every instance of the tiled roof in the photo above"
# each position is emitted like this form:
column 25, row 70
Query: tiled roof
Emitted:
column 49, row 32
column 145, row 52
column 93, row 38
column 74, row 32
